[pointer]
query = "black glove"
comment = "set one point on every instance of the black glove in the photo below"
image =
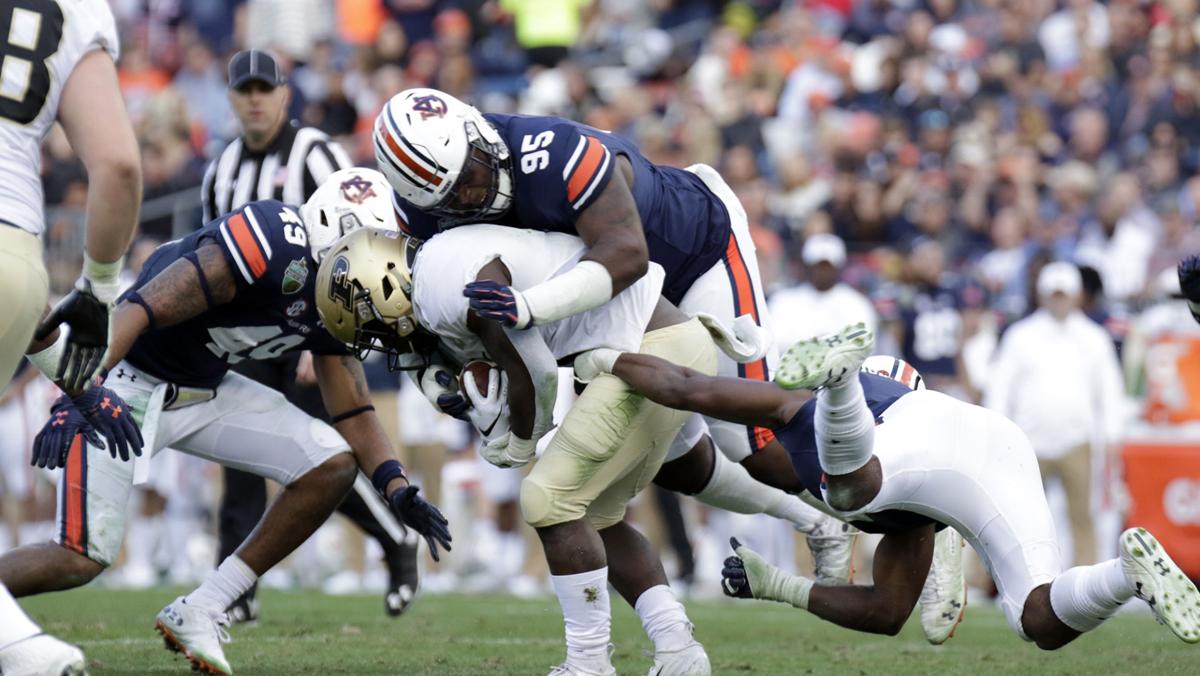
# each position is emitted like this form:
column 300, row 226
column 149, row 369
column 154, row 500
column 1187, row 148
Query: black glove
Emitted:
column 86, row 341
column 419, row 514
column 1189, row 278
column 451, row 403
column 110, row 416
column 53, row 442
column 733, row 579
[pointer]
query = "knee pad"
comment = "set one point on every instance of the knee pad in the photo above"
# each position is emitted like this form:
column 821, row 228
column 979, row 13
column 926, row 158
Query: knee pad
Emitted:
column 536, row 503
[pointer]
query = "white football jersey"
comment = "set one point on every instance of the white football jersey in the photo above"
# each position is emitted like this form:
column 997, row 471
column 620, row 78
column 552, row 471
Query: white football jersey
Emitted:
column 452, row 259
column 45, row 39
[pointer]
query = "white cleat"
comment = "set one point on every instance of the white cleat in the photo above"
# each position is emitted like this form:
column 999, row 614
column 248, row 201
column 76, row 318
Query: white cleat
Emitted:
column 832, row 547
column 826, row 360
column 570, row 669
column 1161, row 584
column 197, row 634
column 690, row 660
column 42, row 655
column 944, row 596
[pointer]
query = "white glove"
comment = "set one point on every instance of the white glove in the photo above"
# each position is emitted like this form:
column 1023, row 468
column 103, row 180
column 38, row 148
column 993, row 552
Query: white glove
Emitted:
column 488, row 413
column 509, row 450
column 747, row 342
column 592, row 363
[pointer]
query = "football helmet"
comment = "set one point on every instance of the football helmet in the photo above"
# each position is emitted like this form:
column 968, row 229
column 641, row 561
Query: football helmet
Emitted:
column 348, row 200
column 425, row 141
column 895, row 368
column 364, row 291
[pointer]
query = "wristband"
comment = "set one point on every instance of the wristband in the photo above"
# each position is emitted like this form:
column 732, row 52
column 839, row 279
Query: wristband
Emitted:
column 384, row 473
column 351, row 413
column 103, row 277
column 47, row 360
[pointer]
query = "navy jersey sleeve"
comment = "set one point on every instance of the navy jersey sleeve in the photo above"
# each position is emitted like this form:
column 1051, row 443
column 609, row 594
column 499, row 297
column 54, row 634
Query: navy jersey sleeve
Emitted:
column 412, row 221
column 266, row 245
column 560, row 165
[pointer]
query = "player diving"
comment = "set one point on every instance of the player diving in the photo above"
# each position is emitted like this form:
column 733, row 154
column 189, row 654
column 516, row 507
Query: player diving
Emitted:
column 907, row 463
column 242, row 287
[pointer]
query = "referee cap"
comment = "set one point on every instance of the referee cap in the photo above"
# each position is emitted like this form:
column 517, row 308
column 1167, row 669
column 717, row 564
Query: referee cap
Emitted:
column 254, row 65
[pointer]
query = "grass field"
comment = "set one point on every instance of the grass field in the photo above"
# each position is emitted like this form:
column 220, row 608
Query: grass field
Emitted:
column 306, row 633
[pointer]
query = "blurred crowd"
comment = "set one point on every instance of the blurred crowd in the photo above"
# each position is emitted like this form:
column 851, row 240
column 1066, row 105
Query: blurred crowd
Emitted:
column 923, row 160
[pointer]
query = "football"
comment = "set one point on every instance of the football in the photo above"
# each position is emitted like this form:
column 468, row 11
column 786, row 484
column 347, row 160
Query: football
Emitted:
column 479, row 370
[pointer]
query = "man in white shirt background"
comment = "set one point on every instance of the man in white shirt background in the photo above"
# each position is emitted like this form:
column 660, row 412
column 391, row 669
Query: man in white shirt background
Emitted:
column 1057, row 376
column 822, row 303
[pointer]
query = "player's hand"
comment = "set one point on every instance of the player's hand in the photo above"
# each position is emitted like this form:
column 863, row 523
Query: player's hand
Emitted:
column 419, row 514
column 87, row 339
column 112, row 418
column 503, row 304
column 437, row 384
column 53, row 442
column 589, row 365
column 748, row 575
column 489, row 412
column 509, row 450
column 305, row 373
column 1189, row 283
column 734, row 580
column 744, row 342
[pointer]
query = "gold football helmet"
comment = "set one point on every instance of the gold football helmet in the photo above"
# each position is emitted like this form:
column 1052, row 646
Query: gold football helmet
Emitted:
column 364, row 291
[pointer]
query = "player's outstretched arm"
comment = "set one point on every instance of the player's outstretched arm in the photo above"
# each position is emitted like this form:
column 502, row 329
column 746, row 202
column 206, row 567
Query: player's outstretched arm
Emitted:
column 735, row 399
column 348, row 400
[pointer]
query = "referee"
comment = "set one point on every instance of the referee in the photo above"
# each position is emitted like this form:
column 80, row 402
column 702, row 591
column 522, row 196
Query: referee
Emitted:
column 276, row 158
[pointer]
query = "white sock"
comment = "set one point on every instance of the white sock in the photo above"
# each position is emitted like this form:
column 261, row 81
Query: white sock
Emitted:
column 586, row 614
column 223, row 586
column 664, row 619
column 732, row 489
column 15, row 625
column 845, row 428
column 1083, row 597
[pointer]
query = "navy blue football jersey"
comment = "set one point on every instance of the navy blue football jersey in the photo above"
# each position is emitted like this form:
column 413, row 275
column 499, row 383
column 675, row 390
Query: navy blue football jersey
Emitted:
column 932, row 324
column 799, row 439
column 560, row 167
column 273, row 312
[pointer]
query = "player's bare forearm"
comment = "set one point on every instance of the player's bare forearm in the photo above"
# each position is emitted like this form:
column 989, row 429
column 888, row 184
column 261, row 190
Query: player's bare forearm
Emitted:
column 612, row 229
column 346, row 395
column 522, row 392
column 93, row 116
column 738, row 400
column 176, row 294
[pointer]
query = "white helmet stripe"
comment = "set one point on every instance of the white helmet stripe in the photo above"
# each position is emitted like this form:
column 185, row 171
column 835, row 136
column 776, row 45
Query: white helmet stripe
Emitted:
column 412, row 150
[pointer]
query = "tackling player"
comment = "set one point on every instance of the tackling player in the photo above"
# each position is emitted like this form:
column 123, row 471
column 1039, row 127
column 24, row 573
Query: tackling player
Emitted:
column 607, row 449
column 451, row 165
column 59, row 65
column 240, row 288
column 907, row 463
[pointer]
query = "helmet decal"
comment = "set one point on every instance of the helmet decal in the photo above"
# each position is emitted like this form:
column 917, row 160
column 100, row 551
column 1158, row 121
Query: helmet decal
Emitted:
column 340, row 289
column 357, row 189
column 429, row 106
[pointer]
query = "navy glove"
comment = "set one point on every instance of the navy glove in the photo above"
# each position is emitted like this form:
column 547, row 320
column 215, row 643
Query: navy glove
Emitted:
column 733, row 578
column 110, row 416
column 503, row 304
column 451, row 403
column 1189, row 278
column 53, row 442
column 87, row 340
column 419, row 514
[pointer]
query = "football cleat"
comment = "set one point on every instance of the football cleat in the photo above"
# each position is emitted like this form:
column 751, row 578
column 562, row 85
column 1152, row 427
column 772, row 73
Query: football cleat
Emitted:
column 42, row 655
column 825, row 360
column 1161, row 584
column 197, row 634
column 600, row 665
column 944, row 596
column 403, row 576
column 690, row 660
column 832, row 547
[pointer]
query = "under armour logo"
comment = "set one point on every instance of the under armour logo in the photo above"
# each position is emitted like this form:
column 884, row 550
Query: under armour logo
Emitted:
column 132, row 376
column 60, row 418
column 1161, row 567
column 107, row 404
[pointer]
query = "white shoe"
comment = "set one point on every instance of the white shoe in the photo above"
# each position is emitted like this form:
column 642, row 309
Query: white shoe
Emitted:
column 197, row 633
column 691, row 660
column 826, row 360
column 944, row 596
column 42, row 655
column 832, row 547
column 1161, row 584
column 596, row 666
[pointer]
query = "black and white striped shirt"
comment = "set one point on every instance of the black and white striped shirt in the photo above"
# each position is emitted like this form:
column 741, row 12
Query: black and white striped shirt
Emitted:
column 288, row 170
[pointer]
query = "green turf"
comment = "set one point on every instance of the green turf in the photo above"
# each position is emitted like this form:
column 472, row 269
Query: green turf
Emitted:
column 303, row 633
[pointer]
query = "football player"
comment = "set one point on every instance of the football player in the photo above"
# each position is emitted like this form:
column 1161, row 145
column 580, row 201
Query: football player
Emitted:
column 59, row 65
column 607, row 449
column 239, row 288
column 1189, row 283
column 451, row 165
column 907, row 463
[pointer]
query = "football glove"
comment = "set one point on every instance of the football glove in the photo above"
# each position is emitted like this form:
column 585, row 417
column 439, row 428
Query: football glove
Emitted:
column 87, row 339
column 53, row 442
column 437, row 384
column 112, row 418
column 419, row 514
column 489, row 413
column 503, row 304
column 1189, row 283
column 748, row 576
column 589, row 365
column 509, row 450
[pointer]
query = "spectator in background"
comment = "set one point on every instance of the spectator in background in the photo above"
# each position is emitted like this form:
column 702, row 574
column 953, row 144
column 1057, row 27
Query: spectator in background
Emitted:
column 1057, row 376
column 823, row 303
column 547, row 30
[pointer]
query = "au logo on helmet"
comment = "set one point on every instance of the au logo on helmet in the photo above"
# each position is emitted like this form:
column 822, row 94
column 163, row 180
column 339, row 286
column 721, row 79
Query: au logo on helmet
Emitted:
column 429, row 106
column 357, row 189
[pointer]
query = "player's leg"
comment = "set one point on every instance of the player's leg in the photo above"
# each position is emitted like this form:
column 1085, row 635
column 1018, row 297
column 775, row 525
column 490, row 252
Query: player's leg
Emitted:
column 24, row 649
column 22, row 295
